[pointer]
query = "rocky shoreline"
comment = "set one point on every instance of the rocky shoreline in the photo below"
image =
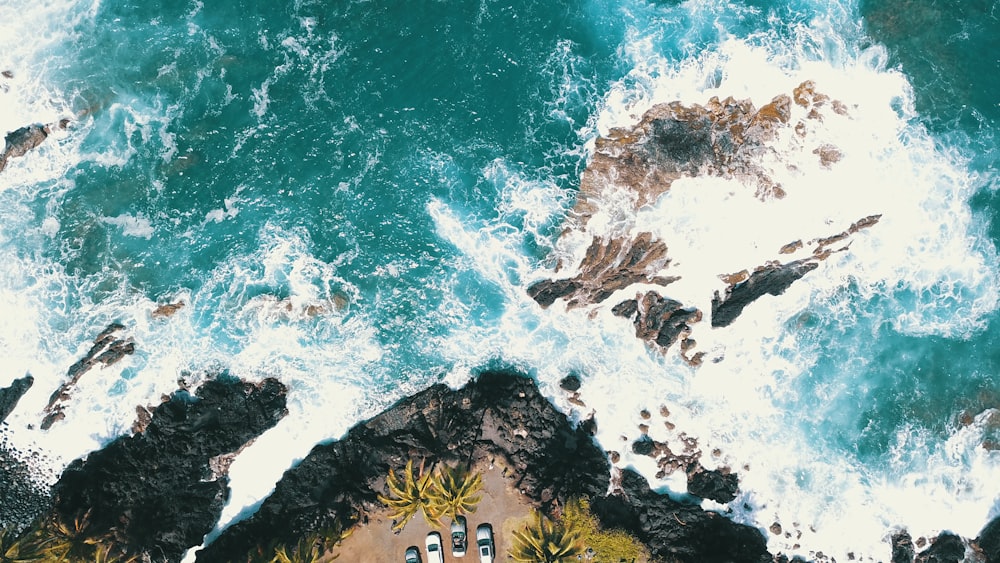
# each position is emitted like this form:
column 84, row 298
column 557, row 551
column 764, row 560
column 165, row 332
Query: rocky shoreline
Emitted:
column 157, row 493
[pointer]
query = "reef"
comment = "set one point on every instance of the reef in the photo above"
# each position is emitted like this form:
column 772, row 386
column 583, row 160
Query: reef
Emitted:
column 632, row 167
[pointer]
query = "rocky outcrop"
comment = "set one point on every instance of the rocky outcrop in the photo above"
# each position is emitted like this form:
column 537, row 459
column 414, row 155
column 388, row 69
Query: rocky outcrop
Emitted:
column 499, row 415
column 634, row 166
column 946, row 548
column 659, row 320
column 23, row 497
column 609, row 265
column 902, row 547
column 155, row 493
column 496, row 416
column 724, row 138
column 771, row 279
column 19, row 142
column 675, row 531
column 720, row 486
column 9, row 396
column 108, row 348
column 989, row 541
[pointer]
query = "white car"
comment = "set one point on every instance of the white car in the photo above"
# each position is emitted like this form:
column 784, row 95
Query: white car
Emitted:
column 435, row 551
column 484, row 543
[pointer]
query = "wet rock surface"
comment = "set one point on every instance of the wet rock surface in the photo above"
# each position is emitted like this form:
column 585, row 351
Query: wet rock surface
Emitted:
column 657, row 319
column 772, row 279
column 22, row 496
column 109, row 347
column 17, row 143
column 902, row 548
column 155, row 492
column 712, row 484
column 609, row 265
column 9, row 396
column 632, row 167
column 989, row 541
column 498, row 415
column 675, row 531
column 946, row 548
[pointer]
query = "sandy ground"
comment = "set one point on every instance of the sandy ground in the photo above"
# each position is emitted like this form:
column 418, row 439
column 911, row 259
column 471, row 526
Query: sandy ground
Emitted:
column 503, row 507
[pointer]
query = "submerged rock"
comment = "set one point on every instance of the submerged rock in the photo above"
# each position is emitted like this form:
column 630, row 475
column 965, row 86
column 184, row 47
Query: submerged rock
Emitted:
column 155, row 492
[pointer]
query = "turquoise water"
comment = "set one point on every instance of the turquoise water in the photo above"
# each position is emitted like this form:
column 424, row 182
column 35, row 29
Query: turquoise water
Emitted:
column 352, row 195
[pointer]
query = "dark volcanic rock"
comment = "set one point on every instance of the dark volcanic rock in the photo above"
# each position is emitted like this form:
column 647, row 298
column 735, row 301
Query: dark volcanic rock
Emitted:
column 108, row 348
column 902, row 548
column 22, row 497
column 658, row 320
column 609, row 265
column 946, row 548
column 9, row 396
column 772, row 279
column 675, row 531
column 712, row 484
column 989, row 541
column 570, row 383
column 497, row 415
column 155, row 491
column 20, row 141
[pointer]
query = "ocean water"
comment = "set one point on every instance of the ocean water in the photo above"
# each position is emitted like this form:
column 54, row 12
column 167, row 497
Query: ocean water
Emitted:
column 353, row 196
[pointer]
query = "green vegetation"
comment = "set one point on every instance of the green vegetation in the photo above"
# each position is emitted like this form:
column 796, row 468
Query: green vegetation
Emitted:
column 455, row 491
column 309, row 549
column 411, row 494
column 604, row 546
column 446, row 492
column 547, row 541
column 12, row 549
column 56, row 541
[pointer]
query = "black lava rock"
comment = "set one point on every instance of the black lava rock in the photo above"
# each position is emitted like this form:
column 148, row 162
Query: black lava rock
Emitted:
column 155, row 491
column 675, row 531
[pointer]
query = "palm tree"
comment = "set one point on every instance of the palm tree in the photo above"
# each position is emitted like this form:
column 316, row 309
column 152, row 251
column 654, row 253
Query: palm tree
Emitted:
column 14, row 549
column 546, row 541
column 411, row 494
column 455, row 491
column 105, row 553
column 59, row 541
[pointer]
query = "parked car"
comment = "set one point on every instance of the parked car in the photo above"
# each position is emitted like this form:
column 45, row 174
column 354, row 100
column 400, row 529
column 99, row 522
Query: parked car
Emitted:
column 412, row 555
column 435, row 551
column 459, row 537
column 484, row 543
